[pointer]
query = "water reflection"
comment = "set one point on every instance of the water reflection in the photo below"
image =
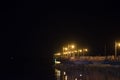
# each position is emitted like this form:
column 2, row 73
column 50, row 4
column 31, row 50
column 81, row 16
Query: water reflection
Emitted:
column 57, row 73
column 83, row 73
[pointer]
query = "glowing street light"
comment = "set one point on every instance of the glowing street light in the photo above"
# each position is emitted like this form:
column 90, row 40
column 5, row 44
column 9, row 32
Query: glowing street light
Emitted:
column 86, row 50
column 116, row 45
column 72, row 51
column 119, row 44
column 75, row 51
column 80, row 50
column 72, row 46
column 66, row 49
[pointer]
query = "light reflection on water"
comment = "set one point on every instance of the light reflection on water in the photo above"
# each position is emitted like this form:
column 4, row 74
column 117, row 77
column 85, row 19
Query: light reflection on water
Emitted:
column 58, row 74
column 84, row 74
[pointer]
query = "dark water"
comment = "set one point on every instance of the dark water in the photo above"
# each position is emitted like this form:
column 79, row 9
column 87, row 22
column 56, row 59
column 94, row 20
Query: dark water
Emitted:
column 85, row 74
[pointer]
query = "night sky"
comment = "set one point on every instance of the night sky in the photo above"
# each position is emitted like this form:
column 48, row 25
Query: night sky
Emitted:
column 36, row 31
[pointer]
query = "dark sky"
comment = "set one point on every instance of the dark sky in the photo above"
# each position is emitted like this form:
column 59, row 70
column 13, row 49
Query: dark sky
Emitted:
column 38, row 29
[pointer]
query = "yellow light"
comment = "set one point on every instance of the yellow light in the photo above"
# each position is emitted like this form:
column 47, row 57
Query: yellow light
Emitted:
column 65, row 53
column 66, row 48
column 58, row 54
column 118, row 44
column 75, row 51
column 72, row 46
column 86, row 49
column 80, row 50
column 58, row 62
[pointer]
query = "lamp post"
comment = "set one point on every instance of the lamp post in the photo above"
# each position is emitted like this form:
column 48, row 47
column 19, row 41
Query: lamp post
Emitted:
column 84, row 50
column 79, row 52
column 64, row 51
column 72, row 47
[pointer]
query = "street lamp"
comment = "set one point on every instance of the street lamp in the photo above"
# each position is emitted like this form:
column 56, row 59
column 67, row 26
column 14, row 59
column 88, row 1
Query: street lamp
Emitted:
column 85, row 50
column 116, row 45
column 72, row 46
column 66, row 49
column 79, row 51
column 119, row 44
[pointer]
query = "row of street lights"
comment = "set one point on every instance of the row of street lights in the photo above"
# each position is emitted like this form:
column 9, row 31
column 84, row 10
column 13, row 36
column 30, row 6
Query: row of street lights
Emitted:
column 72, row 51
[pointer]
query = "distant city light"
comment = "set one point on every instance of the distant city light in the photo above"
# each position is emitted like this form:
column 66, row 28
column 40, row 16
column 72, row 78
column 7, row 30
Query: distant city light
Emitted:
column 80, row 74
column 72, row 52
column 86, row 49
column 57, row 62
column 64, row 73
column 75, row 78
column 118, row 44
column 66, row 48
column 72, row 46
column 58, row 54
column 80, row 50
column 75, row 51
